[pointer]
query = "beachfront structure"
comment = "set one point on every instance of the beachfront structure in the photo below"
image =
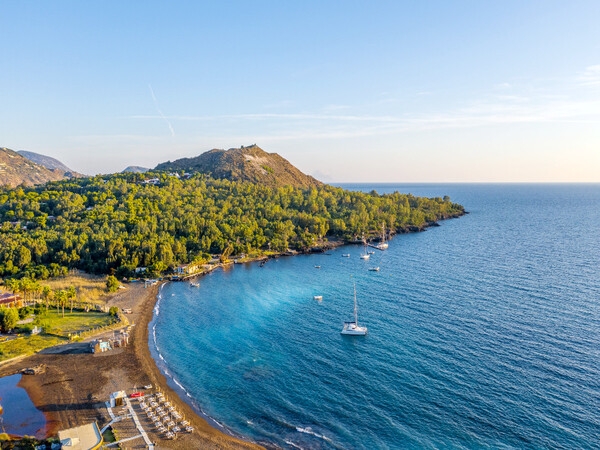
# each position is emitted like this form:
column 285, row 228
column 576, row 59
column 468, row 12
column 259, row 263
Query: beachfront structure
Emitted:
column 187, row 269
column 117, row 398
column 83, row 437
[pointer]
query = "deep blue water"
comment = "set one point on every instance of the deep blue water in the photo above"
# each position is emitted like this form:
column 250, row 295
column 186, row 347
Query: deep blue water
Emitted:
column 483, row 333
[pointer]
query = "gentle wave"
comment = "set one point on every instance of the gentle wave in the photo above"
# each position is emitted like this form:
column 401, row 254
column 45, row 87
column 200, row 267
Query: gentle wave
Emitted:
column 309, row 430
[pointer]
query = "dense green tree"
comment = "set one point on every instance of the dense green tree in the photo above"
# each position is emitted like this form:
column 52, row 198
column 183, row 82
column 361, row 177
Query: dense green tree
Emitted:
column 112, row 284
column 113, row 224
column 9, row 317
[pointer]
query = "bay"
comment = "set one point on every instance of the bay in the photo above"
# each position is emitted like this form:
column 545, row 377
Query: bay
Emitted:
column 483, row 332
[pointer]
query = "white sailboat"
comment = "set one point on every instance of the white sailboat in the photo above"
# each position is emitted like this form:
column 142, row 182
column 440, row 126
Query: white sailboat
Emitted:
column 366, row 254
column 352, row 328
column 382, row 245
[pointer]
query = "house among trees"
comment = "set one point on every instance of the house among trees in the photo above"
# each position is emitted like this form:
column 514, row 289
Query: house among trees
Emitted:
column 8, row 299
column 186, row 269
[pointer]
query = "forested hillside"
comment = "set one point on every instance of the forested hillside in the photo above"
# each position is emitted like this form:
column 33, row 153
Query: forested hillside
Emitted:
column 115, row 223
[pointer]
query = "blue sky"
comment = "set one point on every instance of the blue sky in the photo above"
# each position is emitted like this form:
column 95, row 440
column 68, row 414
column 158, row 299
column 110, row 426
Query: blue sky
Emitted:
column 432, row 91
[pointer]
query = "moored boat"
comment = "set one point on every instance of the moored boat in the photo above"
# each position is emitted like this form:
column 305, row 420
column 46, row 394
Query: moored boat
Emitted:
column 382, row 245
column 353, row 328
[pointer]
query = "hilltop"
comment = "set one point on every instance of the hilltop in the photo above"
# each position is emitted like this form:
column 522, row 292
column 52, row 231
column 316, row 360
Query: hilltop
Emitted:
column 16, row 169
column 135, row 169
column 48, row 162
column 250, row 163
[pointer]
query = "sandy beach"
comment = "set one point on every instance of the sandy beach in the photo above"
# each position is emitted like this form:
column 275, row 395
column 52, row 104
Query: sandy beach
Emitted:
column 76, row 383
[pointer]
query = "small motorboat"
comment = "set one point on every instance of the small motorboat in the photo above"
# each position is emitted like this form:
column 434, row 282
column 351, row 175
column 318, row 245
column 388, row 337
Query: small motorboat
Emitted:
column 318, row 297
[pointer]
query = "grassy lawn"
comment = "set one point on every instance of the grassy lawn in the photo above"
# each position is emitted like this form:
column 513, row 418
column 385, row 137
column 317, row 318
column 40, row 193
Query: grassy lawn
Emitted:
column 56, row 330
column 27, row 345
column 76, row 322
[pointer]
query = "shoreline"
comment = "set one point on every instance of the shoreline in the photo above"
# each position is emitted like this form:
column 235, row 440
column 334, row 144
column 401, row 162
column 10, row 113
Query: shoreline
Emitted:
column 179, row 390
column 76, row 383
column 201, row 425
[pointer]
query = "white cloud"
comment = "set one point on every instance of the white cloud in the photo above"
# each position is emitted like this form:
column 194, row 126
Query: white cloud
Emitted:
column 504, row 104
column 590, row 76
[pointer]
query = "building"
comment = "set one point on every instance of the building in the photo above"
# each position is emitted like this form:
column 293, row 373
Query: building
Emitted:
column 186, row 269
column 117, row 399
column 8, row 299
column 85, row 437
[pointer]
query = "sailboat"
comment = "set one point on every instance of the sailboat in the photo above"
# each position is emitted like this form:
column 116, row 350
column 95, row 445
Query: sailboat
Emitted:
column 366, row 254
column 352, row 328
column 382, row 245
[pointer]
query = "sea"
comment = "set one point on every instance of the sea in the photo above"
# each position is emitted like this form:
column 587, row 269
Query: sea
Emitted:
column 483, row 333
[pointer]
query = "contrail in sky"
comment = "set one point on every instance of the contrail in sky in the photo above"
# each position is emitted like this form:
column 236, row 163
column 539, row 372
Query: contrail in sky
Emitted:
column 160, row 112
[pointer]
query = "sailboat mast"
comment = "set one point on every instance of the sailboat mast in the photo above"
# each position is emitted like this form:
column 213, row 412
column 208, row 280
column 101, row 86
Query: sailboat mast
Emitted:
column 355, row 307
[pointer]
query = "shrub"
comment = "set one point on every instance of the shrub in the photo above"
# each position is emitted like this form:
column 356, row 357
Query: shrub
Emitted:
column 112, row 284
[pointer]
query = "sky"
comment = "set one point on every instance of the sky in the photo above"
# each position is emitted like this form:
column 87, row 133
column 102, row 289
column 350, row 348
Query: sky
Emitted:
column 347, row 91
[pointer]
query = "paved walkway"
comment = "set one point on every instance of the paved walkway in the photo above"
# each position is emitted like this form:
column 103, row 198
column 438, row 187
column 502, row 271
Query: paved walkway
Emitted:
column 131, row 415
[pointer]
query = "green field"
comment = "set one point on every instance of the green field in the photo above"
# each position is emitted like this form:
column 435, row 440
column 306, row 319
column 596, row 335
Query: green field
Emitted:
column 27, row 345
column 56, row 330
column 76, row 322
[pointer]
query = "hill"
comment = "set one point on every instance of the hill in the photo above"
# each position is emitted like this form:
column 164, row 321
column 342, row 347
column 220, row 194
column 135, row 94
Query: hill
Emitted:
column 46, row 161
column 116, row 223
column 251, row 164
column 16, row 169
column 135, row 169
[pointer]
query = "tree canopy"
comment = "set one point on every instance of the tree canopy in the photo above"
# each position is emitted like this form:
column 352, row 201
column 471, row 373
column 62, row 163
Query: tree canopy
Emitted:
column 115, row 223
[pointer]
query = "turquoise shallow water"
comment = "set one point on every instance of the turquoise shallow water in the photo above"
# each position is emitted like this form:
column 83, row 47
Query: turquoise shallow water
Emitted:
column 483, row 333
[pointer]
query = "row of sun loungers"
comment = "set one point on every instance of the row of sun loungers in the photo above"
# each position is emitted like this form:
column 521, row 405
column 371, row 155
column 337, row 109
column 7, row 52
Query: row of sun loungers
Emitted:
column 164, row 415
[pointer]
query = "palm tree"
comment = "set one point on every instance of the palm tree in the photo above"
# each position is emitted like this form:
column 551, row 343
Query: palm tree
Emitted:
column 61, row 299
column 47, row 294
column 26, row 286
column 12, row 284
column 71, row 294
column 37, row 290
